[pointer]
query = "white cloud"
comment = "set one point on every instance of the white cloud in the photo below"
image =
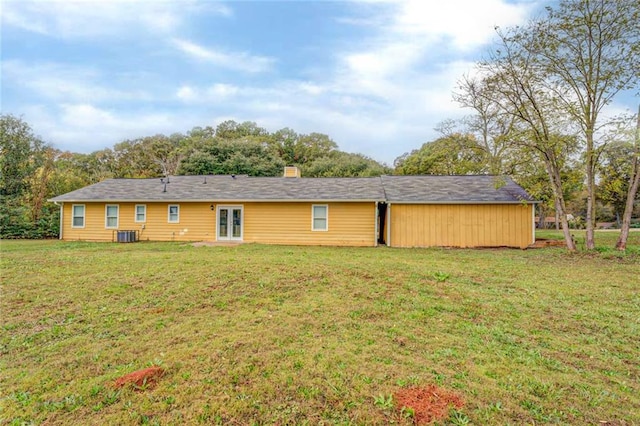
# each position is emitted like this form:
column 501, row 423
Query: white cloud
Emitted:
column 86, row 116
column 462, row 24
column 419, row 35
column 84, row 127
column 221, row 90
column 65, row 83
column 186, row 94
column 97, row 18
column 240, row 61
column 213, row 93
column 401, row 77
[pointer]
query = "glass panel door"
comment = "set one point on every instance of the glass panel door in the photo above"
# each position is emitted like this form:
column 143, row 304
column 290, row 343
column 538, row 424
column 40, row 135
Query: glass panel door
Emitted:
column 223, row 229
column 237, row 223
column 229, row 223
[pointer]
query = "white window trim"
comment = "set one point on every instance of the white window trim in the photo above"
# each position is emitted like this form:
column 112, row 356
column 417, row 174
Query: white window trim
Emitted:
column 84, row 215
column 326, row 210
column 135, row 213
column 106, row 217
column 169, row 213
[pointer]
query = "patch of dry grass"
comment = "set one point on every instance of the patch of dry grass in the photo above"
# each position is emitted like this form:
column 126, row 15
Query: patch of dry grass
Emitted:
column 268, row 334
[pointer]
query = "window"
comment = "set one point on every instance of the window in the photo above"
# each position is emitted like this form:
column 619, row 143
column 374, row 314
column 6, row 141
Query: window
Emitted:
column 174, row 213
column 77, row 216
column 141, row 213
column 111, row 216
column 319, row 218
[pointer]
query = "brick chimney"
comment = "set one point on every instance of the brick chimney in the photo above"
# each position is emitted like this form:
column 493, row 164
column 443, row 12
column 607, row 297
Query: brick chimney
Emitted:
column 291, row 172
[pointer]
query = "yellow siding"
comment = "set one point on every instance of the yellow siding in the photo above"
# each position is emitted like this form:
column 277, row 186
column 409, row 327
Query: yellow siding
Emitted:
column 456, row 225
column 350, row 224
column 197, row 222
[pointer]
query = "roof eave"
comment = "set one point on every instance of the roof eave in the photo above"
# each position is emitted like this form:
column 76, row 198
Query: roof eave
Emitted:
column 216, row 200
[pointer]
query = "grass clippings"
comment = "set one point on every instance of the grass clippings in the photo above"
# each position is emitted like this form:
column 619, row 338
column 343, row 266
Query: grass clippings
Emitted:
column 427, row 404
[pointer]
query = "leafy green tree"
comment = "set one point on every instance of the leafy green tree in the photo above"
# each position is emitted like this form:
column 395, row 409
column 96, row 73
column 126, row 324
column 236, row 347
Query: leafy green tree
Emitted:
column 615, row 173
column 297, row 149
column 313, row 146
column 343, row 164
column 533, row 177
column 456, row 154
column 588, row 51
column 26, row 165
column 151, row 156
column 231, row 130
column 19, row 151
column 285, row 143
column 71, row 172
column 226, row 157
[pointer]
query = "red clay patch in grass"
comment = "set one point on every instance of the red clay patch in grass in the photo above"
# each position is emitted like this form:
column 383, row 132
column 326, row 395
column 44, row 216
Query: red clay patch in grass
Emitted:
column 429, row 403
column 144, row 378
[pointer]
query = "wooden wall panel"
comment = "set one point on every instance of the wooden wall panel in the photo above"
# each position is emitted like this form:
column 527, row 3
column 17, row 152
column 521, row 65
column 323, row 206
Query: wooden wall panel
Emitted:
column 461, row 225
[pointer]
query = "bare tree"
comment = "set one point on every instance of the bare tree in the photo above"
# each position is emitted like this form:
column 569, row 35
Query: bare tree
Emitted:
column 589, row 51
column 634, row 183
column 512, row 81
column 492, row 127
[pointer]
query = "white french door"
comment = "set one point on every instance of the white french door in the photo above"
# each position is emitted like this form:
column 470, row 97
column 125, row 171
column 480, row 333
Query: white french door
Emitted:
column 229, row 223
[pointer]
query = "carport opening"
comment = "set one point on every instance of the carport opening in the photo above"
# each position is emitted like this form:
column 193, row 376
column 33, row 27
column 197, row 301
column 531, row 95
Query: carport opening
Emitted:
column 382, row 214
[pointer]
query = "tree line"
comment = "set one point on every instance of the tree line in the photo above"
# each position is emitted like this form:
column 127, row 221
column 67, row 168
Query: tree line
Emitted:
column 536, row 113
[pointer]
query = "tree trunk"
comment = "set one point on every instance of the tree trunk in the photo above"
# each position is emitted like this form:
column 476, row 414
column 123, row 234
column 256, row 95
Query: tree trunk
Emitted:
column 541, row 221
column 634, row 183
column 561, row 210
column 591, row 200
column 628, row 208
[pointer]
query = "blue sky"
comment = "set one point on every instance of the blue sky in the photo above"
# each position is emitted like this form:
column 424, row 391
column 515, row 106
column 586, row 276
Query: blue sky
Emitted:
column 376, row 76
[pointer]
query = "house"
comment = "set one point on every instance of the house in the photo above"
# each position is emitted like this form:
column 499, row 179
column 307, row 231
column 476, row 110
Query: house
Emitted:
column 399, row 211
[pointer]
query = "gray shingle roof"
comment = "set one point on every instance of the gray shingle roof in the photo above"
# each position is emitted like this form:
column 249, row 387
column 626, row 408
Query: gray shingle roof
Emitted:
column 227, row 188
column 453, row 189
column 417, row 189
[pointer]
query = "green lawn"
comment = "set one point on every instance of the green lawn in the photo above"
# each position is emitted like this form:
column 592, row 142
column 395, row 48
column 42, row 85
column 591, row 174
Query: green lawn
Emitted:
column 294, row 335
